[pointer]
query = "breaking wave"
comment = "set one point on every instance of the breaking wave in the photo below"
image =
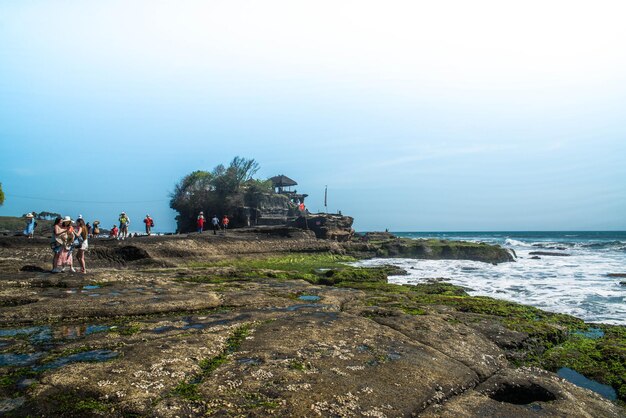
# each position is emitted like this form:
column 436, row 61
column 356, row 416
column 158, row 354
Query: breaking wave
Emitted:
column 578, row 285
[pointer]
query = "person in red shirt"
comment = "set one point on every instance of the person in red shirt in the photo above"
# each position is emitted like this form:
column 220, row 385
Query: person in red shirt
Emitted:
column 200, row 222
column 149, row 224
column 114, row 231
column 225, row 222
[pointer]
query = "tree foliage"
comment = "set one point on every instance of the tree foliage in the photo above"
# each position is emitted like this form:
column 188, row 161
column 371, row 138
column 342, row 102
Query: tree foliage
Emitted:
column 218, row 192
column 1, row 195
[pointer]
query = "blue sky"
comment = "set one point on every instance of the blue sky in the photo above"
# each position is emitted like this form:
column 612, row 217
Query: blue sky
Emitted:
column 454, row 116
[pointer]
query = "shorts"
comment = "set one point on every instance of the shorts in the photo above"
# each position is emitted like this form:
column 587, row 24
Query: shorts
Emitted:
column 84, row 246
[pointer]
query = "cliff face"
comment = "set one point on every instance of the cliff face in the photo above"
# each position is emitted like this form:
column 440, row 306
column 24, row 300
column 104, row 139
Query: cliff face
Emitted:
column 273, row 209
column 327, row 226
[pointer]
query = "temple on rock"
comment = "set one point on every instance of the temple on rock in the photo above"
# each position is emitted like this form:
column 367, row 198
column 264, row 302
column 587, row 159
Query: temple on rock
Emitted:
column 286, row 207
column 282, row 185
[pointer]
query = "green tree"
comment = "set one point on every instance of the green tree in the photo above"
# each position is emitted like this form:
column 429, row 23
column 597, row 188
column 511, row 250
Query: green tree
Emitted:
column 219, row 191
column 1, row 195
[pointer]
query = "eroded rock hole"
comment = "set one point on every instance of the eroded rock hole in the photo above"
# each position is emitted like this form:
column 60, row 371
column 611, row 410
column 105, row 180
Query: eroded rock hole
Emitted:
column 522, row 394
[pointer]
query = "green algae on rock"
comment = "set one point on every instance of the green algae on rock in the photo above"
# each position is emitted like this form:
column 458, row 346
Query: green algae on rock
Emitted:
column 224, row 333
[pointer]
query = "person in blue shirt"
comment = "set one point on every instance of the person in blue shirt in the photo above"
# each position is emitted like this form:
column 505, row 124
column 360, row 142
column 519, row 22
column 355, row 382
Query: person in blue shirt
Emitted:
column 30, row 225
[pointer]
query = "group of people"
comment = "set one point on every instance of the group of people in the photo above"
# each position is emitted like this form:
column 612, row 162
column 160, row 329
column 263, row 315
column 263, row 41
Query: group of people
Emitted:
column 124, row 221
column 71, row 239
column 67, row 238
column 215, row 223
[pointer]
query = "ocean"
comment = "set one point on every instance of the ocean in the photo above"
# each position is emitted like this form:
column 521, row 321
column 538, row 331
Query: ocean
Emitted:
column 577, row 284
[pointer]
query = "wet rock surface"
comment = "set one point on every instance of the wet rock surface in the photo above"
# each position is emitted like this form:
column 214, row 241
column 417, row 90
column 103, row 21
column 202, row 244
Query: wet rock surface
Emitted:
column 549, row 254
column 209, row 326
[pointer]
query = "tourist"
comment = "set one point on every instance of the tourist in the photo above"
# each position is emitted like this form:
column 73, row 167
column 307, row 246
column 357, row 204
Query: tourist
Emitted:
column 200, row 222
column 96, row 229
column 82, row 244
column 89, row 230
column 31, row 223
column 216, row 224
column 55, row 244
column 113, row 233
column 65, row 236
column 124, row 222
column 225, row 223
column 149, row 224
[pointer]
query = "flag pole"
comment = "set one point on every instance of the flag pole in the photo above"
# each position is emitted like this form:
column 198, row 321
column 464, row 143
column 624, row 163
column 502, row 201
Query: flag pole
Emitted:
column 326, row 198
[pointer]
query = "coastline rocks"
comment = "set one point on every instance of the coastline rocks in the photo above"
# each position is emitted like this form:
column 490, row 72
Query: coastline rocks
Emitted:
column 550, row 254
column 378, row 236
column 616, row 275
column 245, row 327
column 525, row 392
column 327, row 226
column 442, row 250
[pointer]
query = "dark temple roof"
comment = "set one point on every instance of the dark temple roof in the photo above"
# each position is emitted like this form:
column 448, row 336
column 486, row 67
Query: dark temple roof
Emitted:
column 282, row 181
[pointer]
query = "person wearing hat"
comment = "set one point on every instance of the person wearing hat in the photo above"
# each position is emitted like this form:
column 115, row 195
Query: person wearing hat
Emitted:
column 200, row 222
column 96, row 228
column 149, row 224
column 64, row 236
column 30, row 225
column 124, row 222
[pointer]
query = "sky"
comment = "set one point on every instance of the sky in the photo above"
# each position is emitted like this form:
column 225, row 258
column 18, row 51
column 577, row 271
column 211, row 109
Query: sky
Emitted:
column 418, row 116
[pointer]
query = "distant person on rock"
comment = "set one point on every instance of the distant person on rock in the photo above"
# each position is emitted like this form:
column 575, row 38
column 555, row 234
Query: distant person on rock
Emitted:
column 89, row 230
column 31, row 223
column 96, row 229
column 149, row 224
column 114, row 232
column 225, row 222
column 200, row 222
column 82, row 244
column 55, row 244
column 216, row 224
column 124, row 222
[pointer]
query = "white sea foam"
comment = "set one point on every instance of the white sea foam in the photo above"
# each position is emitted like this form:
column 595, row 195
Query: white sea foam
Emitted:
column 577, row 285
column 516, row 243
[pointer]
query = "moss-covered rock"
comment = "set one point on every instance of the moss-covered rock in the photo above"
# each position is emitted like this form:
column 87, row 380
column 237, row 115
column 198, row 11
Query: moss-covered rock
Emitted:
column 387, row 246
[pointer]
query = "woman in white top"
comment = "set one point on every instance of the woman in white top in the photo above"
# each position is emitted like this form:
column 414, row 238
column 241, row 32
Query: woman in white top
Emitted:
column 82, row 236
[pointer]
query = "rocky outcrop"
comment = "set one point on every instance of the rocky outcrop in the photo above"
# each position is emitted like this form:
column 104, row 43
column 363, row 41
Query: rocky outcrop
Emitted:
column 549, row 254
column 272, row 209
column 432, row 249
column 327, row 226
column 257, row 325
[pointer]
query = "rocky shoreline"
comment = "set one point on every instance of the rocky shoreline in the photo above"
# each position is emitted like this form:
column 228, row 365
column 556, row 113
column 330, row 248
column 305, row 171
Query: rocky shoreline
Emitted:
column 272, row 321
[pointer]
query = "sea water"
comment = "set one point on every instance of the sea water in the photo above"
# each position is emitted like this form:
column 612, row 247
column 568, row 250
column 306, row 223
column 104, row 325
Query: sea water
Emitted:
column 577, row 284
